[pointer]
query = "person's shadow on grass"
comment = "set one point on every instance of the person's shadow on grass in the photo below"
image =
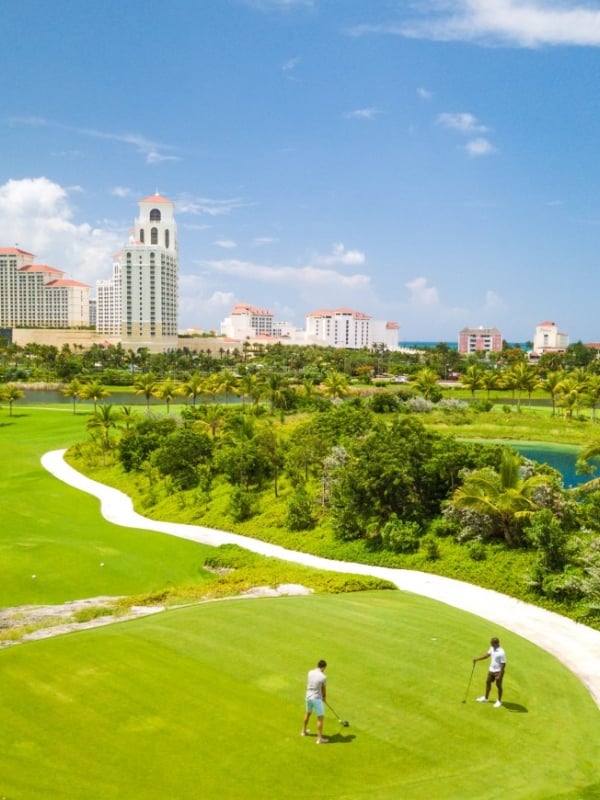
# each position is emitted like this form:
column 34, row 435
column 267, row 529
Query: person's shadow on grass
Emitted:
column 516, row 708
column 339, row 738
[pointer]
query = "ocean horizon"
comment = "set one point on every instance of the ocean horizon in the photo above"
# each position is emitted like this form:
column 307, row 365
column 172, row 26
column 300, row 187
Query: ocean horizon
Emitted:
column 422, row 345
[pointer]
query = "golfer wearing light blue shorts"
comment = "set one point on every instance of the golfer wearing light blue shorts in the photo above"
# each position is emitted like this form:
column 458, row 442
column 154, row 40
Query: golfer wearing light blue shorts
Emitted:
column 315, row 697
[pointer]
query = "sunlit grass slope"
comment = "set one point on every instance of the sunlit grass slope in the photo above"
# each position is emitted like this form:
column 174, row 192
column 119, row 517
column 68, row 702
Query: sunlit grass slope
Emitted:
column 206, row 702
column 55, row 533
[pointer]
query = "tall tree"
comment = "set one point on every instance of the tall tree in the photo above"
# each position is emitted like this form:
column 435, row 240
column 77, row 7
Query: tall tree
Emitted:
column 72, row 390
column 168, row 390
column 145, row 385
column 94, row 391
column 10, row 393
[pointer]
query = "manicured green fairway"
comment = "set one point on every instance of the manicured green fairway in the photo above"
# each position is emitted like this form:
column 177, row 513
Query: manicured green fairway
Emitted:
column 56, row 533
column 206, row 702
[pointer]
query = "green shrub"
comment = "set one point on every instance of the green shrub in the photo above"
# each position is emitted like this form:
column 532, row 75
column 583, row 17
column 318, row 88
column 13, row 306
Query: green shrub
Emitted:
column 399, row 536
column 242, row 505
column 430, row 547
column 477, row 551
column 300, row 515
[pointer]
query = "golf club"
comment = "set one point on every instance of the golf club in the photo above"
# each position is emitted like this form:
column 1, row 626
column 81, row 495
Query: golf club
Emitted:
column 343, row 722
column 469, row 683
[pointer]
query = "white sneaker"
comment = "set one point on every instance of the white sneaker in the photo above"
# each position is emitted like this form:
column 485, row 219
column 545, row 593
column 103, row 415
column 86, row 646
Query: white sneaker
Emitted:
column 482, row 700
column 304, row 733
column 497, row 704
column 322, row 740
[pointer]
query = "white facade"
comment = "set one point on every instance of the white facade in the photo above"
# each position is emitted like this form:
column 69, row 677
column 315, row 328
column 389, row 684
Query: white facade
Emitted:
column 149, row 278
column 341, row 327
column 38, row 296
column 548, row 338
column 385, row 333
column 108, row 303
column 247, row 322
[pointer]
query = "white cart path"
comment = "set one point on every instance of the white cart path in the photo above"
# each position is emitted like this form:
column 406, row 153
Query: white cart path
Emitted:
column 575, row 645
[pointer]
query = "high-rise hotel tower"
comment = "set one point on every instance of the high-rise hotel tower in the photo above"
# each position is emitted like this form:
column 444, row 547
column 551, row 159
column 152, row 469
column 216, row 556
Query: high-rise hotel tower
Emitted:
column 148, row 277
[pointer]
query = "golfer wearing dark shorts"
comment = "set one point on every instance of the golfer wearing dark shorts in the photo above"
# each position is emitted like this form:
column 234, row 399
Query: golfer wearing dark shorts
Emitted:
column 496, row 671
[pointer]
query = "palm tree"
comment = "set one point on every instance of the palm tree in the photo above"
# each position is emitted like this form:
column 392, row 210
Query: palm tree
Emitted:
column 425, row 382
column 214, row 416
column 73, row 390
column 335, row 384
column 168, row 390
column 571, row 392
column 103, row 420
column 473, row 378
column 250, row 386
column 592, row 393
column 193, row 387
column 504, row 496
column 226, row 382
column 490, row 379
column 145, row 384
column 127, row 415
column 553, row 384
column 10, row 393
column 522, row 377
column 275, row 386
column 95, row 391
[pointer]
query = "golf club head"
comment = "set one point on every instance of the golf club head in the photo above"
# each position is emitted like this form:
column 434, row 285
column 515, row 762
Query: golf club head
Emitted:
column 344, row 723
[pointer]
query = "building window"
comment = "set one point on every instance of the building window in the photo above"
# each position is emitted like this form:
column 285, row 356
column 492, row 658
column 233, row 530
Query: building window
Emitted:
column 154, row 236
column 167, row 239
column 142, row 235
column 155, row 215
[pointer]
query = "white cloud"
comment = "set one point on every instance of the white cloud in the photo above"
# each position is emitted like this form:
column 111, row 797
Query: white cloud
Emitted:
column 493, row 301
column 152, row 151
column 463, row 123
column 121, row 191
column 37, row 215
column 523, row 23
column 290, row 64
column 186, row 204
column 196, row 304
column 363, row 113
column 424, row 94
column 421, row 293
column 339, row 255
column 479, row 147
column 226, row 244
column 468, row 124
column 307, row 276
column 264, row 240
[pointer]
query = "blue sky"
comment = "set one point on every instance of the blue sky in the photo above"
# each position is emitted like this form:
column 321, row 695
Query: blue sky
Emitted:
column 429, row 162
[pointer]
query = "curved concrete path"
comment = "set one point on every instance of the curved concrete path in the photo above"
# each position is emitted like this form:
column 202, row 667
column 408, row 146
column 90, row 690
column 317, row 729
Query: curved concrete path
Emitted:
column 575, row 645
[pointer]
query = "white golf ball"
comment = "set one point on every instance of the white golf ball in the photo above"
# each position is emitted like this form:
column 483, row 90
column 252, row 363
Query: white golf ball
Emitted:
column 34, row 576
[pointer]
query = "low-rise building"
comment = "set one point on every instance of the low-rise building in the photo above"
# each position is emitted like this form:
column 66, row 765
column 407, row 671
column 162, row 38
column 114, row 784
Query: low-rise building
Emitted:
column 474, row 340
column 548, row 339
column 247, row 322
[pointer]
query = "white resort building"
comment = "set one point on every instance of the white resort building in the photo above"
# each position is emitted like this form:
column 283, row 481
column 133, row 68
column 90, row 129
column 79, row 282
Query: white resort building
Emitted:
column 39, row 296
column 108, row 302
column 247, row 322
column 548, row 339
column 144, row 282
column 344, row 327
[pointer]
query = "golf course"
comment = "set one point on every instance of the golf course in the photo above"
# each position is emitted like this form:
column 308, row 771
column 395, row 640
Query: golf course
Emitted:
column 206, row 700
